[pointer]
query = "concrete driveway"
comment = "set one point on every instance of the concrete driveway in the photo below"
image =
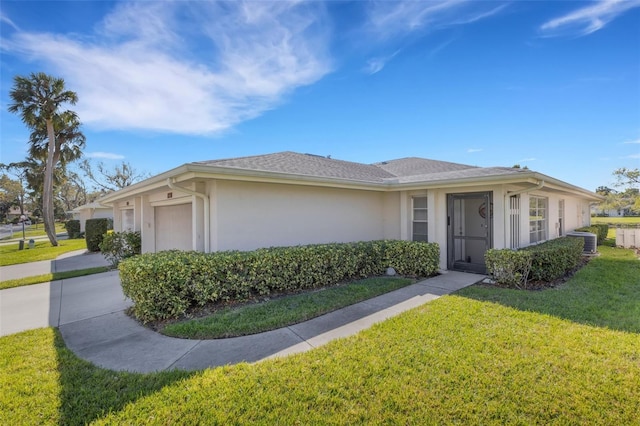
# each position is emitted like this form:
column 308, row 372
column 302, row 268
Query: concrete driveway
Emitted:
column 60, row 302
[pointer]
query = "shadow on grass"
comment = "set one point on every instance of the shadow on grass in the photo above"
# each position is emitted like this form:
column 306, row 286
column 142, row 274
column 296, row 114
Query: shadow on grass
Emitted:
column 605, row 293
column 89, row 392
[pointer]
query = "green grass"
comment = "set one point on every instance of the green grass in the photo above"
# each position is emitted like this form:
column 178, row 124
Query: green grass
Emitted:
column 35, row 231
column 281, row 312
column 37, row 279
column 10, row 255
column 453, row 360
column 616, row 220
column 606, row 293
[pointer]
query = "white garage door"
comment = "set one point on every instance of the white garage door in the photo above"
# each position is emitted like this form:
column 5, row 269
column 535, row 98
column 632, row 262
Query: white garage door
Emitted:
column 173, row 227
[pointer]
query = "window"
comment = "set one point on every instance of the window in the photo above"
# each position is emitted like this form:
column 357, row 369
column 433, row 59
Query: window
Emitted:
column 537, row 219
column 419, row 219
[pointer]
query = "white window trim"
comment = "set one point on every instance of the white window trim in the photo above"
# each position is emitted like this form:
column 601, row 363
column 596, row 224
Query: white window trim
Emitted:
column 413, row 218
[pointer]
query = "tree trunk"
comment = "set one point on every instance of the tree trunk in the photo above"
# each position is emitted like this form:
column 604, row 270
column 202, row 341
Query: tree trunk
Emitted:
column 47, row 191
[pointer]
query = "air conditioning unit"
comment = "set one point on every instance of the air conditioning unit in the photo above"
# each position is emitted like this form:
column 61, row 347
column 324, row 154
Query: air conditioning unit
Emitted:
column 590, row 240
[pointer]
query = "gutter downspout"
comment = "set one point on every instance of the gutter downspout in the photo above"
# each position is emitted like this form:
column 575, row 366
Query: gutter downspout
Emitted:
column 207, row 218
column 507, row 206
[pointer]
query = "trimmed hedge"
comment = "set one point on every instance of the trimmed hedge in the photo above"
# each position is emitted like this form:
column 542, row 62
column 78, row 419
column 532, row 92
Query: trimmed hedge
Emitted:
column 509, row 268
column 600, row 229
column 166, row 284
column 73, row 229
column 553, row 259
column 543, row 262
column 94, row 230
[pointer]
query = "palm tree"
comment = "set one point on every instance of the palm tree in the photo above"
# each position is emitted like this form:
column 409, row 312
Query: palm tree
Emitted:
column 38, row 99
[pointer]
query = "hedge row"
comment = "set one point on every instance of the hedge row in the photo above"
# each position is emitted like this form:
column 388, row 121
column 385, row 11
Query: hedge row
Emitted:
column 600, row 229
column 553, row 259
column 543, row 262
column 166, row 284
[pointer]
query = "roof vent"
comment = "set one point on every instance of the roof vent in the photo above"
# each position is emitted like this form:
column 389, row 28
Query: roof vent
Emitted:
column 590, row 240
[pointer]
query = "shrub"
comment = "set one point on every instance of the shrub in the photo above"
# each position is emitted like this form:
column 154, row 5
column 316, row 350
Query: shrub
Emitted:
column 166, row 284
column 600, row 230
column 94, row 232
column 544, row 262
column 509, row 268
column 120, row 245
column 73, row 229
column 553, row 259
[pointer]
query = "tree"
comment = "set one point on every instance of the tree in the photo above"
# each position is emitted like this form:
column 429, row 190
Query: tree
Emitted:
column 627, row 177
column 38, row 99
column 11, row 194
column 604, row 190
column 630, row 180
column 108, row 180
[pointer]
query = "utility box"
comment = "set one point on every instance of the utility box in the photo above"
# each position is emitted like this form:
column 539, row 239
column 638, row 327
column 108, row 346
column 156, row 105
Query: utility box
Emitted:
column 32, row 244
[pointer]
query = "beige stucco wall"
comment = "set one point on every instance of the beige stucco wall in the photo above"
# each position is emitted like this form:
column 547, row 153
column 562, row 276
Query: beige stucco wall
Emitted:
column 248, row 215
column 252, row 215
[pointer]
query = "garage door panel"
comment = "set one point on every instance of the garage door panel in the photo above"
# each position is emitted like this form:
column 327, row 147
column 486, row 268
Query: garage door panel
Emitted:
column 173, row 227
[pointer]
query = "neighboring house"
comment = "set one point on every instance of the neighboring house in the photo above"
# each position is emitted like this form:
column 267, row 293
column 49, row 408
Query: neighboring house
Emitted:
column 287, row 199
column 621, row 212
column 94, row 210
column 14, row 212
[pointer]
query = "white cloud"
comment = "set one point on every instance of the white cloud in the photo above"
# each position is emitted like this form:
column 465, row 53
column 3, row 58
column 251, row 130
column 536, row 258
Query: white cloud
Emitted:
column 375, row 65
column 145, row 68
column 589, row 19
column 399, row 18
column 524, row 160
column 633, row 156
column 470, row 150
column 6, row 20
column 104, row 155
column 634, row 141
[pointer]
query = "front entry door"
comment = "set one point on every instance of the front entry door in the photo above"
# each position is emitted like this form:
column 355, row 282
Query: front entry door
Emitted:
column 469, row 224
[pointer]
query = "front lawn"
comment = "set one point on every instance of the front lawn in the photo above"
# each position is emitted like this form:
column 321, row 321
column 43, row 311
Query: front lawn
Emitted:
column 606, row 293
column 280, row 312
column 453, row 360
column 43, row 250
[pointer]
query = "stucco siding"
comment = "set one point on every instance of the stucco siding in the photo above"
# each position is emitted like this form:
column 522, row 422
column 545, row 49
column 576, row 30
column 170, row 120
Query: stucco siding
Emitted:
column 253, row 215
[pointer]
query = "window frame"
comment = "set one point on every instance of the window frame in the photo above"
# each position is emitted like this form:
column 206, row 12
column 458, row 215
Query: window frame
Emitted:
column 423, row 237
column 540, row 232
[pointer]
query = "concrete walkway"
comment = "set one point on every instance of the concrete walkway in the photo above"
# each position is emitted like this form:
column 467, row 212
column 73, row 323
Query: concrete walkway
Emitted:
column 71, row 261
column 89, row 312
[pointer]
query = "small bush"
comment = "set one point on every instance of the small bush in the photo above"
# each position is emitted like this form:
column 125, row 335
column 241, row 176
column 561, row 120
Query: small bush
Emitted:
column 509, row 268
column 94, row 232
column 166, row 284
column 117, row 246
column 553, row 259
column 544, row 262
column 73, row 229
column 600, row 230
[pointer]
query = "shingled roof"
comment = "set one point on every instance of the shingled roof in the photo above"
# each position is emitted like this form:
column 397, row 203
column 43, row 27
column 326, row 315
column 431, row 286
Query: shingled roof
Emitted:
column 403, row 170
column 306, row 165
column 413, row 166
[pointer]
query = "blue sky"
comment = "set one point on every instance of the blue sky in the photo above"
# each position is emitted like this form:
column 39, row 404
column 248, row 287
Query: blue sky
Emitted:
column 552, row 85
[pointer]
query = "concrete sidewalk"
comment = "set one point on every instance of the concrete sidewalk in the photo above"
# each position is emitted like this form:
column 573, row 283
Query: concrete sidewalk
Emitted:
column 89, row 312
column 71, row 261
